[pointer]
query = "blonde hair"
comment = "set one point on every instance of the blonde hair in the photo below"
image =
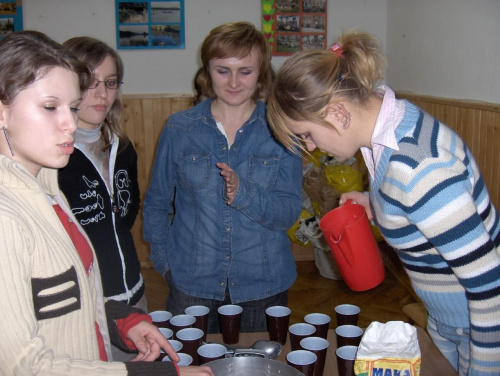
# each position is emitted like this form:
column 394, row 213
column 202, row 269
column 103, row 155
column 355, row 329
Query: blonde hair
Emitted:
column 236, row 39
column 310, row 80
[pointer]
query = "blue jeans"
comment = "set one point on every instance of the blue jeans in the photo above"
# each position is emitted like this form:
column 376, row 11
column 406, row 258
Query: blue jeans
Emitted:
column 253, row 318
column 454, row 344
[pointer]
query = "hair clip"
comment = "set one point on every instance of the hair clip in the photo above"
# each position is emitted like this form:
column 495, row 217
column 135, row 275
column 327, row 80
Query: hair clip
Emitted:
column 337, row 50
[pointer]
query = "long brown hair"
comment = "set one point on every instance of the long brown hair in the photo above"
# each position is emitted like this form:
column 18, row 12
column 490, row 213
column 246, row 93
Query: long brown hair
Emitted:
column 93, row 52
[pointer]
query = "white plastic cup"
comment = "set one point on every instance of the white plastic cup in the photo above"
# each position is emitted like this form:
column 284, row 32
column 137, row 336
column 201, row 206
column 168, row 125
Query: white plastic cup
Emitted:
column 298, row 332
column 211, row 351
column 302, row 360
column 185, row 359
column 348, row 335
column 179, row 322
column 347, row 314
column 161, row 318
column 177, row 345
column 319, row 347
column 320, row 321
column 167, row 333
column 191, row 339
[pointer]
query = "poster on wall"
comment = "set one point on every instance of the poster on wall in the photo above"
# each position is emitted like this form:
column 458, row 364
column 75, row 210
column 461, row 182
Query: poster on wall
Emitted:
column 150, row 24
column 294, row 25
column 11, row 17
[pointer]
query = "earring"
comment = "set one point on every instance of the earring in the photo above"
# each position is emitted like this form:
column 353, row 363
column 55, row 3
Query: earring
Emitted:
column 347, row 121
column 8, row 142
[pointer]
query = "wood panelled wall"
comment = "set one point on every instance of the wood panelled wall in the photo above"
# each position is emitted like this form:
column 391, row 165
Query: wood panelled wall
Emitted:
column 143, row 119
column 476, row 122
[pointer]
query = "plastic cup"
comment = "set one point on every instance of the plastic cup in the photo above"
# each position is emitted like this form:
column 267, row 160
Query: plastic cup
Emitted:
column 211, row 351
column 346, row 356
column 230, row 322
column 319, row 347
column 185, row 359
column 179, row 322
column 298, row 332
column 320, row 321
column 277, row 318
column 161, row 318
column 347, row 314
column 348, row 335
column 201, row 315
column 177, row 346
column 302, row 360
column 191, row 339
column 167, row 333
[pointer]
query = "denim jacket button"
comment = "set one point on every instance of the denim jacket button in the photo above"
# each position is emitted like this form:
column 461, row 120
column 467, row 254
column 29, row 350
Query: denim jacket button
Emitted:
column 222, row 283
column 228, row 257
column 459, row 331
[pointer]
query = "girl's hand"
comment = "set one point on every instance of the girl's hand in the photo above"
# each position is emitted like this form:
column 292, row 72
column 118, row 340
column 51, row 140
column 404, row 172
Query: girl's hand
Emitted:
column 148, row 341
column 196, row 371
column 231, row 179
column 357, row 198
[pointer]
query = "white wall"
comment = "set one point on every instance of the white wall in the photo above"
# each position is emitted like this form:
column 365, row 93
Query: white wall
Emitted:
column 171, row 71
column 445, row 48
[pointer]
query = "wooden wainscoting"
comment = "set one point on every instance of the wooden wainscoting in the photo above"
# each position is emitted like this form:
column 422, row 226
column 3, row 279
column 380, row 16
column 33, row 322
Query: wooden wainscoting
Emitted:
column 477, row 123
column 143, row 119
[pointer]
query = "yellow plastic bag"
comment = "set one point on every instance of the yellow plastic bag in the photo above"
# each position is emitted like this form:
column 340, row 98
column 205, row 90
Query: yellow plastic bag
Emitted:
column 292, row 230
column 344, row 178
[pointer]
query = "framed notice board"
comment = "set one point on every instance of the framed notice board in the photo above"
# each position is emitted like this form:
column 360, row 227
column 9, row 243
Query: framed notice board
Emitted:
column 11, row 17
column 294, row 25
column 150, row 24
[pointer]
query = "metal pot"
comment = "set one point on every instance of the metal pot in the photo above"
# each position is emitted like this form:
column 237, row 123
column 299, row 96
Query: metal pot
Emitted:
column 251, row 366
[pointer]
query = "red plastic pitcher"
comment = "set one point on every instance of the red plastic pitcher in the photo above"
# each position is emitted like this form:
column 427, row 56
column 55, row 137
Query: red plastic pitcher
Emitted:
column 353, row 246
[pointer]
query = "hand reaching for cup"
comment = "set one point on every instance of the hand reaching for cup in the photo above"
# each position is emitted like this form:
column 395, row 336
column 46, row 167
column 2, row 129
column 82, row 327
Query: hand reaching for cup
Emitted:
column 231, row 179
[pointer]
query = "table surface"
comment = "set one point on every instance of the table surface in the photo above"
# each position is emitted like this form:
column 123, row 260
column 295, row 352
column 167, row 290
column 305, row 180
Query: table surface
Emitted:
column 433, row 362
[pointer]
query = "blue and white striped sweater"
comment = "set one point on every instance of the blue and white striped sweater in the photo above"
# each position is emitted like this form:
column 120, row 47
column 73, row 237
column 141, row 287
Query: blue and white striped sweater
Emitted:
column 432, row 206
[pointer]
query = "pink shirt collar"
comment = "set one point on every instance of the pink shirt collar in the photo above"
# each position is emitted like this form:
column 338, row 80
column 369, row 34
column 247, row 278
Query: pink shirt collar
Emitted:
column 391, row 113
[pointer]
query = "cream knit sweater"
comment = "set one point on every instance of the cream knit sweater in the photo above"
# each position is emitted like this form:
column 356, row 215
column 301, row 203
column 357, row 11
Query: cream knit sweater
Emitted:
column 48, row 304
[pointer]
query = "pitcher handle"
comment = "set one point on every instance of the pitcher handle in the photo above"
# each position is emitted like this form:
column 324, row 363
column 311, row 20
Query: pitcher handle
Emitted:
column 349, row 258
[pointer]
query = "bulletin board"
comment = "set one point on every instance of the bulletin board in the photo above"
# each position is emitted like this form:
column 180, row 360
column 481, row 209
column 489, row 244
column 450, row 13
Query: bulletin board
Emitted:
column 294, row 25
column 11, row 17
column 150, row 24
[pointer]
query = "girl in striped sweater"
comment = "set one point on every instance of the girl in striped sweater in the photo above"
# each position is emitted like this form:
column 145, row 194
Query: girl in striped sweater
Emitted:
column 426, row 195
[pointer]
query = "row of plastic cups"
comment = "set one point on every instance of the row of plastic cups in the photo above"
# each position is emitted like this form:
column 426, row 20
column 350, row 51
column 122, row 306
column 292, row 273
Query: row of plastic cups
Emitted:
column 193, row 354
column 197, row 317
column 193, row 317
column 311, row 359
column 348, row 335
column 187, row 339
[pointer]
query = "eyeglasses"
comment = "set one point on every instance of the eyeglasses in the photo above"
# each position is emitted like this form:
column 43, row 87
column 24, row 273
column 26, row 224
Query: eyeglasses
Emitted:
column 111, row 84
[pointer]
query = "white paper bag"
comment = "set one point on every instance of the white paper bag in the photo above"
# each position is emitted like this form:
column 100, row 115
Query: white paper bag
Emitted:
column 390, row 348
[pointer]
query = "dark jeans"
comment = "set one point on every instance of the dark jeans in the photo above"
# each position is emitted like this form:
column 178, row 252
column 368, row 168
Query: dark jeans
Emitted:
column 253, row 318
